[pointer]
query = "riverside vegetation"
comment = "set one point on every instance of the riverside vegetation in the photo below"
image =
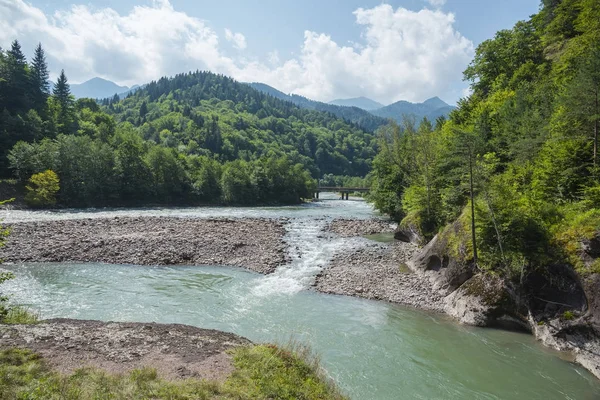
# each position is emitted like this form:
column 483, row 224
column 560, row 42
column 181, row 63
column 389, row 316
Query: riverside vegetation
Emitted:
column 506, row 191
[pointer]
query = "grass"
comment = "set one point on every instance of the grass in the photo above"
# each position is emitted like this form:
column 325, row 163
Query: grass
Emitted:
column 19, row 315
column 261, row 372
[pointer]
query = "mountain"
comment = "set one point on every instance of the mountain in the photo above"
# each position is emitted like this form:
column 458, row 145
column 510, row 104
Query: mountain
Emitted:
column 97, row 88
column 356, row 115
column 430, row 109
column 201, row 113
column 360, row 102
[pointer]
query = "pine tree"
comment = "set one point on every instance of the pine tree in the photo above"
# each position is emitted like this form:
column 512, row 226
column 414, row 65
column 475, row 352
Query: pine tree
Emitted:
column 62, row 94
column 17, row 79
column 40, row 79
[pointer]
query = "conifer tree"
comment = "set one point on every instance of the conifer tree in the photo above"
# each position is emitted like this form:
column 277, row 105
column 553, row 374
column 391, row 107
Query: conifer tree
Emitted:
column 17, row 79
column 40, row 78
column 64, row 99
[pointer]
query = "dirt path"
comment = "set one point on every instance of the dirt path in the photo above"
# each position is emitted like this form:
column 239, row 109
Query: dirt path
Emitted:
column 175, row 351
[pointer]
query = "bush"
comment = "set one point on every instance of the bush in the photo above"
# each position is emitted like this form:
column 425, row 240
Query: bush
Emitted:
column 42, row 189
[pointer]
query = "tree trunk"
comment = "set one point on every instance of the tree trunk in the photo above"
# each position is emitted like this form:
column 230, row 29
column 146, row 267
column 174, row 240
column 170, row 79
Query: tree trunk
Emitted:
column 472, row 209
column 597, row 110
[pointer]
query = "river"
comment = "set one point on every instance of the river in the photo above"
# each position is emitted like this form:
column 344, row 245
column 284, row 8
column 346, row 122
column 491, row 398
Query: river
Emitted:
column 373, row 350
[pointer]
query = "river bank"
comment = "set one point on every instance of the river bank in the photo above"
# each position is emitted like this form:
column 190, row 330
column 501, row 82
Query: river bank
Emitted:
column 365, row 269
column 174, row 351
column 80, row 359
column 378, row 271
column 252, row 243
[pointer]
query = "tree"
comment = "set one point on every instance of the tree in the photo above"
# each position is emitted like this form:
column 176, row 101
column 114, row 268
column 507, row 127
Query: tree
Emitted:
column 18, row 83
column 42, row 189
column 40, row 79
column 65, row 102
column 582, row 100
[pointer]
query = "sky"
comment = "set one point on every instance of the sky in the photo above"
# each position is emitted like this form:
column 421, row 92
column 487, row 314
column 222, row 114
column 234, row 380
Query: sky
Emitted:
column 322, row 49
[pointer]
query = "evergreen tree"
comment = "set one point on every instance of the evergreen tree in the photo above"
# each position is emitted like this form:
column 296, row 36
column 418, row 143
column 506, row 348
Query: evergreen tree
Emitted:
column 17, row 79
column 65, row 102
column 40, row 79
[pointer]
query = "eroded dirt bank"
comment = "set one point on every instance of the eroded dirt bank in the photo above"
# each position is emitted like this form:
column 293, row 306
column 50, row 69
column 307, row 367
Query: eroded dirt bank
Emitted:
column 175, row 351
column 253, row 243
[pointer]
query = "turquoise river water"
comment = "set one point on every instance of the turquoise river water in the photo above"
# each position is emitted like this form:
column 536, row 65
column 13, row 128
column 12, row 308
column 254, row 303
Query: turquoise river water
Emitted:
column 373, row 350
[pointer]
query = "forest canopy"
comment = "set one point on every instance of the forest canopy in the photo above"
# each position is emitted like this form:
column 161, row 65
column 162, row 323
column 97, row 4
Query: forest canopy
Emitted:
column 194, row 138
column 523, row 146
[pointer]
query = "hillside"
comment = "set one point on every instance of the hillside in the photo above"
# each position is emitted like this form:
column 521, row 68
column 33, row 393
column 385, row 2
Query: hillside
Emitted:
column 358, row 116
column 430, row 109
column 193, row 138
column 355, row 110
column 506, row 194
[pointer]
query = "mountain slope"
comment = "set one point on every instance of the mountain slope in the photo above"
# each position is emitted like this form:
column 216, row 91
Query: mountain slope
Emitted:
column 97, row 88
column 208, row 114
column 360, row 102
column 356, row 115
column 430, row 109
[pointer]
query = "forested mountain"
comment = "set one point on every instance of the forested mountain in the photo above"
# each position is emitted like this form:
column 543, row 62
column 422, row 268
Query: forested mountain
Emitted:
column 431, row 109
column 359, row 102
column 358, row 116
column 355, row 110
column 97, row 88
column 196, row 137
column 523, row 147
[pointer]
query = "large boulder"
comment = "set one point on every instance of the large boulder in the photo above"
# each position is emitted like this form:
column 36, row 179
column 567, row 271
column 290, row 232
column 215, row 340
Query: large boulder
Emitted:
column 485, row 300
column 409, row 233
column 445, row 272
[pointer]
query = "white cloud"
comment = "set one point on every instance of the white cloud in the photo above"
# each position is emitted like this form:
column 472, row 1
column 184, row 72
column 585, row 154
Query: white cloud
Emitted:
column 436, row 3
column 402, row 54
column 238, row 40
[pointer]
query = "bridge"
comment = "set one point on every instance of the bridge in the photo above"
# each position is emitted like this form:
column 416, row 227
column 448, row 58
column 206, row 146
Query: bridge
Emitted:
column 345, row 191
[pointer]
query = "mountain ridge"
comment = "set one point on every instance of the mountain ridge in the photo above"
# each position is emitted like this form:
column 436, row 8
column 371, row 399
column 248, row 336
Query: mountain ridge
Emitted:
column 97, row 88
column 361, row 102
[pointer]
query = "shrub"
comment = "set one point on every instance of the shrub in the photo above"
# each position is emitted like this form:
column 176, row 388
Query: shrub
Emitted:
column 42, row 189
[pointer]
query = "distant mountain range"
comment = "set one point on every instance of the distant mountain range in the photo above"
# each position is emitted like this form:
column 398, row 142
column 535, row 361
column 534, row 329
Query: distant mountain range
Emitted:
column 362, row 111
column 430, row 109
column 360, row 102
column 98, row 88
column 356, row 115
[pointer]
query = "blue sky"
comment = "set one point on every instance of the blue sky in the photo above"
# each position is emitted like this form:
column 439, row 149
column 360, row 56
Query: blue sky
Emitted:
column 403, row 49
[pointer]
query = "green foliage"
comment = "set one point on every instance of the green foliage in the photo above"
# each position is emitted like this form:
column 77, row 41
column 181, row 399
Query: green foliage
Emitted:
column 527, row 138
column 572, row 231
column 262, row 372
column 42, row 189
column 268, row 371
column 176, row 141
column 568, row 315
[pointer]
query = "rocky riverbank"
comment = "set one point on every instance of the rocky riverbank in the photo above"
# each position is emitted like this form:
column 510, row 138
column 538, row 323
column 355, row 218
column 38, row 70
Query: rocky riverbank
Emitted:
column 175, row 351
column 379, row 272
column 360, row 227
column 374, row 270
column 252, row 243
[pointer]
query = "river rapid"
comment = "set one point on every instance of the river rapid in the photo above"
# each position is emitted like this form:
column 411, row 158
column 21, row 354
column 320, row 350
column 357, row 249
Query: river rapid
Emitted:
column 373, row 350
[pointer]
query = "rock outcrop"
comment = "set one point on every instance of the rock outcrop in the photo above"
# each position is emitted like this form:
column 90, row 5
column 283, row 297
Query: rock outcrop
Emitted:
column 555, row 303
